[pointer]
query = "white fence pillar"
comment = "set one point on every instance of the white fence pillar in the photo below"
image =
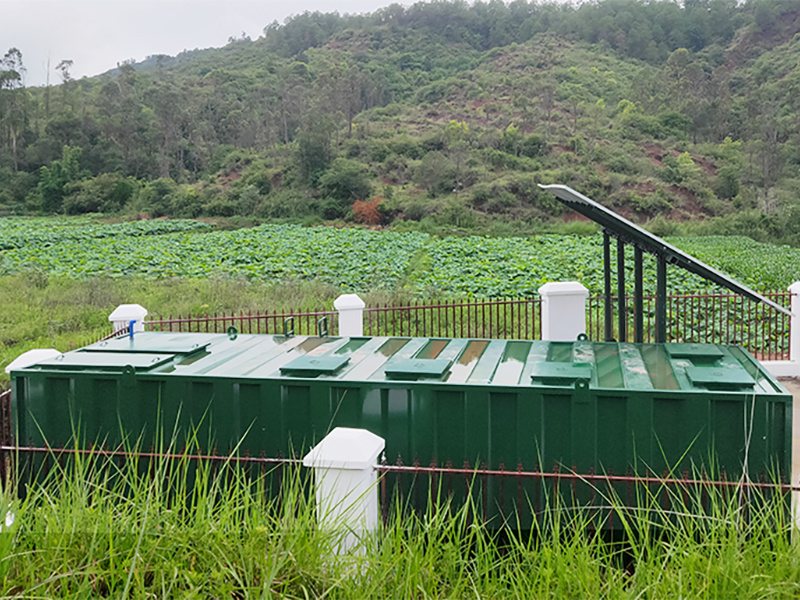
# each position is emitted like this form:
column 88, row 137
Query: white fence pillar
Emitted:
column 794, row 327
column 791, row 367
column 351, row 315
column 125, row 313
column 346, row 483
column 563, row 310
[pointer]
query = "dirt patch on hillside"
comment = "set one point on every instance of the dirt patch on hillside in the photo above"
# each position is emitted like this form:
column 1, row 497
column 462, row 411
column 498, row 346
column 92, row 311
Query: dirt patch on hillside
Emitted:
column 560, row 149
column 574, row 216
column 708, row 167
column 690, row 209
column 654, row 153
column 644, row 188
column 225, row 180
column 749, row 45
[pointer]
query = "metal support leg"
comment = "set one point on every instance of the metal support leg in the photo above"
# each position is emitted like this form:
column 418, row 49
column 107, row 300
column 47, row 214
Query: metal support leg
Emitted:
column 638, row 295
column 622, row 315
column 609, row 315
column 661, row 301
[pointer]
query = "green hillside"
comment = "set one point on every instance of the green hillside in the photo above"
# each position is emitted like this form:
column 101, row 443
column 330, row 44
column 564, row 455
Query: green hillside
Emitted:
column 441, row 116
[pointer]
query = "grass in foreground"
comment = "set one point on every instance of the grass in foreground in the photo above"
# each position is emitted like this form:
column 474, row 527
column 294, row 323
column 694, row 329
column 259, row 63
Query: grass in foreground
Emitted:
column 98, row 529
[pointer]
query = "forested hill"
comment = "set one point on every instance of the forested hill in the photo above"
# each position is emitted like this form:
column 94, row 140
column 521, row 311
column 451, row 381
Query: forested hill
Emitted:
column 442, row 115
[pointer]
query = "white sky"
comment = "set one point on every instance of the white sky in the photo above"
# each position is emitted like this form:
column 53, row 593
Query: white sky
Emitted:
column 97, row 34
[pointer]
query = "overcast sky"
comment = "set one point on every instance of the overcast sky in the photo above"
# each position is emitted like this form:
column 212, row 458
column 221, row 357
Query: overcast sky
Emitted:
column 97, row 34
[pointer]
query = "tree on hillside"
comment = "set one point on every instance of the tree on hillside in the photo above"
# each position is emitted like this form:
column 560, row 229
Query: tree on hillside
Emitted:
column 53, row 180
column 435, row 173
column 314, row 146
column 292, row 97
column 168, row 103
column 770, row 158
column 458, row 142
column 123, row 122
column 64, row 67
column 13, row 100
column 546, row 93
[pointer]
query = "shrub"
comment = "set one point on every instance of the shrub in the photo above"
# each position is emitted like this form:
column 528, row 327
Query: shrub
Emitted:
column 187, row 202
column 345, row 181
column 416, row 210
column 405, row 145
column 366, row 211
column 108, row 192
column 157, row 196
column 533, row 146
column 436, row 173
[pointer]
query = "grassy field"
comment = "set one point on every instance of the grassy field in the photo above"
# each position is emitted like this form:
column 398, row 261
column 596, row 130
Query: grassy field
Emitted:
column 98, row 529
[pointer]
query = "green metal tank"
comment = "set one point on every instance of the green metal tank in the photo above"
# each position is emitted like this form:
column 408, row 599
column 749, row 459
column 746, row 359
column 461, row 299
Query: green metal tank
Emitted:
column 581, row 406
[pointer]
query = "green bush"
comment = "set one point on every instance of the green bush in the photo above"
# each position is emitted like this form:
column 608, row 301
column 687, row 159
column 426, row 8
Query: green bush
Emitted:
column 287, row 204
column 107, row 193
column 533, row 146
column 220, row 207
column 500, row 202
column 405, row 145
column 259, row 176
column 417, row 210
column 378, row 151
column 188, row 202
column 674, row 123
column 345, row 181
column 435, row 173
column 157, row 196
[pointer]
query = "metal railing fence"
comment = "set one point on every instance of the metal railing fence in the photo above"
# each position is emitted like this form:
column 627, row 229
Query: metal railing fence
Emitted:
column 298, row 323
column 710, row 318
column 714, row 318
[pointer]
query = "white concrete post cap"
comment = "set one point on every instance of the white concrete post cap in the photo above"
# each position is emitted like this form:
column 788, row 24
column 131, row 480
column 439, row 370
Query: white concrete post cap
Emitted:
column 795, row 287
column 348, row 302
column 32, row 357
column 346, row 448
column 563, row 288
column 128, row 312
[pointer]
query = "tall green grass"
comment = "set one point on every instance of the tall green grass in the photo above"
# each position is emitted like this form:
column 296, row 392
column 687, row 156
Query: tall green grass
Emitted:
column 98, row 527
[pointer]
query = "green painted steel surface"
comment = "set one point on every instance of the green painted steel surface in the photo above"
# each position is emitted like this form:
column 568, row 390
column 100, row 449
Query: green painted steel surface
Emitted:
column 310, row 366
column 105, row 361
column 580, row 405
column 414, row 369
column 178, row 343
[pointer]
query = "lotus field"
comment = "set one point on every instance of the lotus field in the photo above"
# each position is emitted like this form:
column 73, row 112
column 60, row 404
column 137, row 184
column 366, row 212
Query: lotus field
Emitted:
column 359, row 260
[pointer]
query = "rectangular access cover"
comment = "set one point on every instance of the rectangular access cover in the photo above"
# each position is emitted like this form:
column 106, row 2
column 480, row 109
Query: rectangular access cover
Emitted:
column 720, row 377
column 314, row 366
column 148, row 341
column 418, row 368
column 704, row 351
column 561, row 373
column 105, row 360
